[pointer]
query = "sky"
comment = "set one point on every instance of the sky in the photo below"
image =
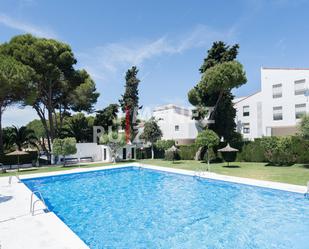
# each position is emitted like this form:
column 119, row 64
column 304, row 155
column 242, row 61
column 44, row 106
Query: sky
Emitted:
column 166, row 39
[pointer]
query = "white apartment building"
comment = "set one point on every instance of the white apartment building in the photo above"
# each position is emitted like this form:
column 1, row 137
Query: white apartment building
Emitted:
column 277, row 108
column 176, row 123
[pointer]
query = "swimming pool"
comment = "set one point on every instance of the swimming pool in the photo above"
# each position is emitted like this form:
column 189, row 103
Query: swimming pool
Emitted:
column 134, row 207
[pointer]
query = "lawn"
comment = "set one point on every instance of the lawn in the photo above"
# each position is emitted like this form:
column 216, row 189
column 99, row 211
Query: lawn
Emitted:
column 296, row 174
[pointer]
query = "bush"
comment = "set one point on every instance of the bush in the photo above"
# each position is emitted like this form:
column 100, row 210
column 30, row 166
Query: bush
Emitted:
column 164, row 144
column 278, row 150
column 171, row 156
column 252, row 152
column 23, row 159
column 187, row 152
column 145, row 153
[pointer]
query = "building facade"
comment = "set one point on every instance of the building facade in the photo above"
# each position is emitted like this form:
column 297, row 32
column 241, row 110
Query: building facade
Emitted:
column 176, row 123
column 278, row 107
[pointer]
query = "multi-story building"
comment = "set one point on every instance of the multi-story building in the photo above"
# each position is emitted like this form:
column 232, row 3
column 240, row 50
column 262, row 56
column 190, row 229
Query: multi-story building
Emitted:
column 176, row 123
column 278, row 107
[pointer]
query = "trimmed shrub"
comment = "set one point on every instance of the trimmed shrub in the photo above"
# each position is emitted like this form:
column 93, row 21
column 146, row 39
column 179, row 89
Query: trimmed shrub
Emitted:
column 278, row 150
column 145, row 153
column 252, row 152
column 187, row 152
column 170, row 155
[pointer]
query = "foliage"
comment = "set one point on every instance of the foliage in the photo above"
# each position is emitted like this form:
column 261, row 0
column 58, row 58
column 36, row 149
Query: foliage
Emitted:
column 207, row 138
column 22, row 137
column 304, row 126
column 57, row 87
column 279, row 150
column 79, row 127
column 14, row 77
column 220, row 73
column 188, row 152
column 115, row 141
column 31, row 157
column 152, row 133
column 223, row 77
column 252, row 152
column 171, row 155
column 107, row 117
column 64, row 147
column 164, row 144
column 129, row 100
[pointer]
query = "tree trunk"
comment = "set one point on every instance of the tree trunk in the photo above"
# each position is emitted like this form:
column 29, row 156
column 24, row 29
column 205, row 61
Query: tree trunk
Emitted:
column 1, row 132
column 152, row 152
column 208, row 161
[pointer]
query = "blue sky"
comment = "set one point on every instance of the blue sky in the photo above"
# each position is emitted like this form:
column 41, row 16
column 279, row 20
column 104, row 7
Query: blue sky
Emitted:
column 167, row 40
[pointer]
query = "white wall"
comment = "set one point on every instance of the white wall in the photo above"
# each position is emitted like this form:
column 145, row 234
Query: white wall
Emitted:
column 170, row 116
column 261, row 104
column 97, row 152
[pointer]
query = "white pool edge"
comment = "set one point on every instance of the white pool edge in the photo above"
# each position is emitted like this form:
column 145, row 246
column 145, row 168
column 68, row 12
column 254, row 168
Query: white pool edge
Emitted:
column 68, row 234
column 209, row 175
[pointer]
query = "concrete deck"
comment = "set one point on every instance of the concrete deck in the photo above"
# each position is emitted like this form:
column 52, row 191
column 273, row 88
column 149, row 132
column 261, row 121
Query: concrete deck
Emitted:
column 20, row 230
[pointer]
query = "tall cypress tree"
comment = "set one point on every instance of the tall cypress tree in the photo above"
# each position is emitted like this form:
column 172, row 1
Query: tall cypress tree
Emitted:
column 129, row 101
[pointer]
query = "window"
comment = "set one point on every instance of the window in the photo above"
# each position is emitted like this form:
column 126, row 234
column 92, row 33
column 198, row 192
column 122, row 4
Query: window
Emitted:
column 176, row 127
column 300, row 110
column 277, row 113
column 246, row 128
column 277, row 91
column 300, row 87
column 245, row 111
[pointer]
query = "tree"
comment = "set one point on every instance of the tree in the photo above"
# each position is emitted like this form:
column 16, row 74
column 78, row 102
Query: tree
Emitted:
column 207, row 139
column 130, row 101
column 164, row 144
column 64, row 147
column 304, row 126
column 57, row 87
column 114, row 141
column 107, row 117
column 220, row 73
column 152, row 133
column 79, row 127
column 14, row 76
column 22, row 137
column 8, row 143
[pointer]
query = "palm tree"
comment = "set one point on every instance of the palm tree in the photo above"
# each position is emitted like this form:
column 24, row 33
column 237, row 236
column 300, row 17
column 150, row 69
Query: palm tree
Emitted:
column 22, row 137
column 78, row 127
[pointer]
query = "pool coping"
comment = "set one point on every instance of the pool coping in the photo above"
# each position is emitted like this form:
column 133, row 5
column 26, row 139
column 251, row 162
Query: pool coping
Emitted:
column 210, row 175
column 68, row 239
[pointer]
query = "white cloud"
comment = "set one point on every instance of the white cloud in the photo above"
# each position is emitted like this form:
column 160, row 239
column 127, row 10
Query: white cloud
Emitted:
column 17, row 116
column 26, row 27
column 109, row 58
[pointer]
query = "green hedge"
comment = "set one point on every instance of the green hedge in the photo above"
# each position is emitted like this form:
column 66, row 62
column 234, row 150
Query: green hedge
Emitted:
column 252, row 152
column 23, row 159
column 145, row 153
column 276, row 150
column 187, row 152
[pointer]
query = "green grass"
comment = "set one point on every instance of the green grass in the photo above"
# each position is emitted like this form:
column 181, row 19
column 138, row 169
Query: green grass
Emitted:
column 296, row 174
column 54, row 168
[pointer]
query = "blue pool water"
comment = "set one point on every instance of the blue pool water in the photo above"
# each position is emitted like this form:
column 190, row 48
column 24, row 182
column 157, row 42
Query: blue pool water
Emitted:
column 132, row 208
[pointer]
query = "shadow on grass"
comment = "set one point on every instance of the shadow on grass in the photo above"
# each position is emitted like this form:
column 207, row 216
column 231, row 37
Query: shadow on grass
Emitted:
column 177, row 162
column 231, row 166
column 305, row 166
column 278, row 165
